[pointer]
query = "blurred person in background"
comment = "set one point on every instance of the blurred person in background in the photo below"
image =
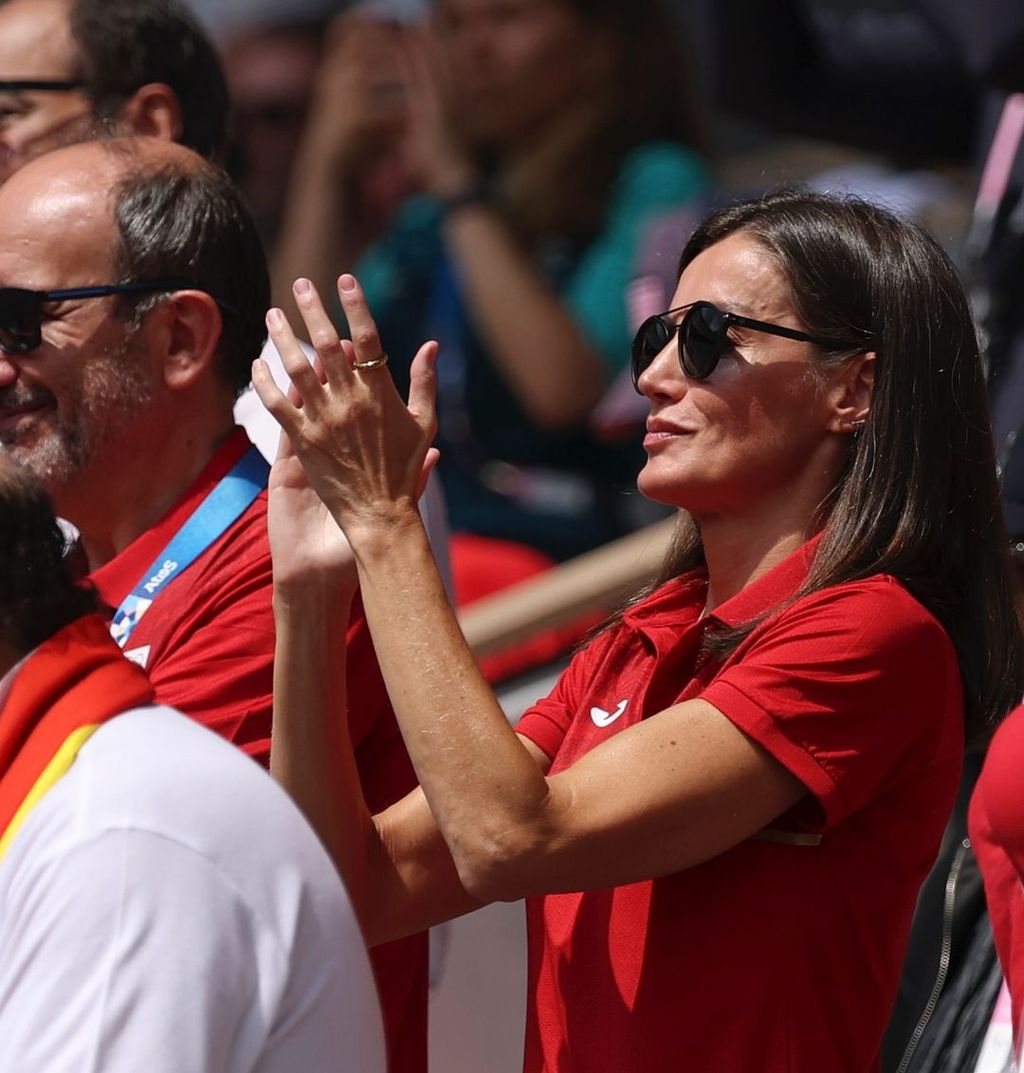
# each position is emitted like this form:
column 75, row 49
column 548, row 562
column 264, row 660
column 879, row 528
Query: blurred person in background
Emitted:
column 271, row 70
column 723, row 812
column 541, row 136
column 72, row 69
column 272, row 67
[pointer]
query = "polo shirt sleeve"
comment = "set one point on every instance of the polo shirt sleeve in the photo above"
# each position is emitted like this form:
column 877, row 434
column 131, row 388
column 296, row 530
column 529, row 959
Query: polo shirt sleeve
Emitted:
column 849, row 689
column 547, row 722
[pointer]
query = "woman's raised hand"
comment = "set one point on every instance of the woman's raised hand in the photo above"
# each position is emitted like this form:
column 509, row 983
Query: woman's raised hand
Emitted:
column 306, row 544
column 365, row 452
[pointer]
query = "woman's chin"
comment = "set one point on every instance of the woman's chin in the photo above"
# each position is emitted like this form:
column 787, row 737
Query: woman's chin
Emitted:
column 653, row 486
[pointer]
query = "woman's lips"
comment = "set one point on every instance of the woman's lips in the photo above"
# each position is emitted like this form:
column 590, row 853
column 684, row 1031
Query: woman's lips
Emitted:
column 659, row 432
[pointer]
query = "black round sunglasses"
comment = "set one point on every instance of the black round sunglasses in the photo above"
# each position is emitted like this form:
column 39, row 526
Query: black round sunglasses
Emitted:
column 703, row 337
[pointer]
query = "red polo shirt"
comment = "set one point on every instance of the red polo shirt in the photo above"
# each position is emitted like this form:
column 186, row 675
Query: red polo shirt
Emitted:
column 207, row 643
column 996, row 825
column 775, row 955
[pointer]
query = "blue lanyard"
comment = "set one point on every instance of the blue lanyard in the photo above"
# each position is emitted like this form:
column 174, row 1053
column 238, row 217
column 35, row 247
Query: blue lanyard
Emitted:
column 234, row 493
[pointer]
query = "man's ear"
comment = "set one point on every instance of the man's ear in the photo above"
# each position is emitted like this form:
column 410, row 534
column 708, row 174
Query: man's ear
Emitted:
column 154, row 110
column 851, row 392
column 186, row 327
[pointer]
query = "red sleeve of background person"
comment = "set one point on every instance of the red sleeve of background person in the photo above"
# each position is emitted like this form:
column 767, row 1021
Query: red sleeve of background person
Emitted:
column 996, row 825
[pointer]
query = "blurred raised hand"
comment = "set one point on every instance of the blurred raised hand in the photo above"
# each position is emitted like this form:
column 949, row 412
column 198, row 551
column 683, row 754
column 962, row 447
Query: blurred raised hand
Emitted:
column 361, row 103
column 349, row 174
column 434, row 153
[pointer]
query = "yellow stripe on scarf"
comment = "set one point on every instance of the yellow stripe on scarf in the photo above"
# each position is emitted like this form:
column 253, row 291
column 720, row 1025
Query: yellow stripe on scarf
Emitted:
column 54, row 770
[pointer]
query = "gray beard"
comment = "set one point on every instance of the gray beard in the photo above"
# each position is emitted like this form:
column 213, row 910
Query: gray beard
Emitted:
column 112, row 391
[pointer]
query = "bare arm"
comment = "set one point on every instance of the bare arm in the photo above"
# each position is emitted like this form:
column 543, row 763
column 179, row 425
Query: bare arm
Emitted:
column 545, row 358
column 358, row 116
column 552, row 370
column 316, row 232
column 673, row 791
column 396, row 866
column 678, row 789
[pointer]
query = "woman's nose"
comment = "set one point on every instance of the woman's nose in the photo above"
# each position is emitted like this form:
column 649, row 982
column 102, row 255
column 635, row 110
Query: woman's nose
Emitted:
column 664, row 375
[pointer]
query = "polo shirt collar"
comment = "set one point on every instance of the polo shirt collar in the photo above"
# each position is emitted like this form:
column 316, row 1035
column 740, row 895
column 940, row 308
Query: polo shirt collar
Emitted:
column 114, row 580
column 677, row 603
column 680, row 603
column 775, row 587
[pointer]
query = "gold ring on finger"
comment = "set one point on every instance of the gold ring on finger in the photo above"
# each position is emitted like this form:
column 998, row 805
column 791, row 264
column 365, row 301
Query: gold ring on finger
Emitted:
column 376, row 363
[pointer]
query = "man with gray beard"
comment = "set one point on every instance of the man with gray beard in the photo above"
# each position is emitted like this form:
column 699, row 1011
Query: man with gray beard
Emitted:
column 133, row 290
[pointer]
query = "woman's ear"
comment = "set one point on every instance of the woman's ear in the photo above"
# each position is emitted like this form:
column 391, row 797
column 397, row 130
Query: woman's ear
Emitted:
column 851, row 392
column 154, row 110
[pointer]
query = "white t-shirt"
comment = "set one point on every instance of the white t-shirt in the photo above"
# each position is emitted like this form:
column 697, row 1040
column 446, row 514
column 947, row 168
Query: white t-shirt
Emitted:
column 165, row 908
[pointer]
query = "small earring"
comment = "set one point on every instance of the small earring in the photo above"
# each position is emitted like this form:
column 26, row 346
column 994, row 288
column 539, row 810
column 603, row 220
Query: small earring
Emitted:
column 860, row 422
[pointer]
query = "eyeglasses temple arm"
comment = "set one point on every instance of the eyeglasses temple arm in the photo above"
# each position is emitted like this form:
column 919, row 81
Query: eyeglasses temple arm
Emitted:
column 794, row 333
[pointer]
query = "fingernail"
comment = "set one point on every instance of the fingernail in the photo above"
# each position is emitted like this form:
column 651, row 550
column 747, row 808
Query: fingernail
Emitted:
column 347, row 283
column 302, row 286
column 275, row 318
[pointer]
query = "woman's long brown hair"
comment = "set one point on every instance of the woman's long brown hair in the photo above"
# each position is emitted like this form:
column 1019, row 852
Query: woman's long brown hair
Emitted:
column 919, row 497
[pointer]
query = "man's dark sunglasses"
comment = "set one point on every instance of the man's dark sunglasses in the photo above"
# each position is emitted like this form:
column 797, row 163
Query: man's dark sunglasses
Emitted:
column 704, row 337
column 54, row 85
column 21, row 311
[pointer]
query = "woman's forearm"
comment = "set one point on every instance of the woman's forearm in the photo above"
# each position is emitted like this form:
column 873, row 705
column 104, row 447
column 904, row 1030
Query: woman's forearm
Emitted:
column 540, row 350
column 396, row 866
column 311, row 751
column 318, row 233
column 485, row 790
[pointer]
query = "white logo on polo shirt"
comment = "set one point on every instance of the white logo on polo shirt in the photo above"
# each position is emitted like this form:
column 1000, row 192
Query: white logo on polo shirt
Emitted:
column 139, row 655
column 604, row 719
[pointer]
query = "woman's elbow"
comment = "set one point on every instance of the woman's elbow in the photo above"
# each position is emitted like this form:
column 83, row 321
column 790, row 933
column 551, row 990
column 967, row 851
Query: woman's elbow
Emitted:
column 498, row 866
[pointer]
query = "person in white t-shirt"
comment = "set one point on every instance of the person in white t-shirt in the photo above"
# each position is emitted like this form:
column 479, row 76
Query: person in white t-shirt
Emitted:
column 163, row 904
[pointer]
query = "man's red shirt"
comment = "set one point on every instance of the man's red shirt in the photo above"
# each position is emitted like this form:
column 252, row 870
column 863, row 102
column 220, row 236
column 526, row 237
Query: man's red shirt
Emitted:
column 207, row 643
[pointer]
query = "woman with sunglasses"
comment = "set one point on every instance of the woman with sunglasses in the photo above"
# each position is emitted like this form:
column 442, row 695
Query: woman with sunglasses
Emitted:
column 721, row 815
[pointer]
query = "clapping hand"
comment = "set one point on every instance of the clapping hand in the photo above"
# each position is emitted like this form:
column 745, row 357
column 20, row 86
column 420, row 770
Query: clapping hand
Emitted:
column 364, row 452
column 306, row 543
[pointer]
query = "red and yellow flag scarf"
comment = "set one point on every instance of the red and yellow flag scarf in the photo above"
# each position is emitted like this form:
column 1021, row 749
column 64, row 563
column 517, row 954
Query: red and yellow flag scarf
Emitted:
column 64, row 691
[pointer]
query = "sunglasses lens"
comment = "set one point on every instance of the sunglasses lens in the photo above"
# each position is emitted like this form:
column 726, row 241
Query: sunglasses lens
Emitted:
column 20, row 320
column 701, row 340
column 648, row 343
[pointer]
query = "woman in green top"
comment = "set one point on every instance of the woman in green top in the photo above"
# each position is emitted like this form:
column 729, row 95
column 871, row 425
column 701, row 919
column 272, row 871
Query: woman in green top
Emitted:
column 543, row 136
